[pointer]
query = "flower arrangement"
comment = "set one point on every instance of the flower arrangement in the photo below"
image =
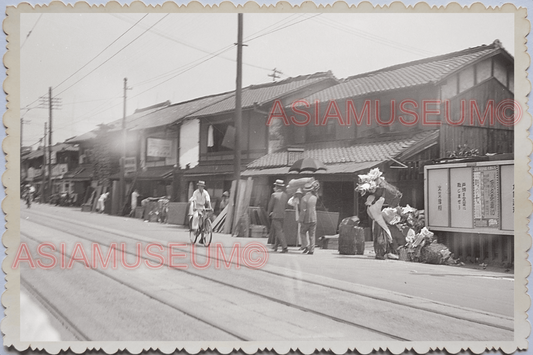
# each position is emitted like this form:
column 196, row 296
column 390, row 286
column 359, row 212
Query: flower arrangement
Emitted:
column 374, row 183
column 370, row 182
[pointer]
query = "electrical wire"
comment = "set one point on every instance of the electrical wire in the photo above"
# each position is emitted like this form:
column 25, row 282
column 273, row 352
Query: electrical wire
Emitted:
column 120, row 50
column 283, row 27
column 187, row 67
column 102, row 51
column 29, row 33
column 372, row 37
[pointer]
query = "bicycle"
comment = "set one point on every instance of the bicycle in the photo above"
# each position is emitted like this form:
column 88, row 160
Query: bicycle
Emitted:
column 205, row 228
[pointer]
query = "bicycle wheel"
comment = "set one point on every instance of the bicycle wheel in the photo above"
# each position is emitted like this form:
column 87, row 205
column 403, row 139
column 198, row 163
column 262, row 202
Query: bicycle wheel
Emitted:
column 208, row 232
column 192, row 236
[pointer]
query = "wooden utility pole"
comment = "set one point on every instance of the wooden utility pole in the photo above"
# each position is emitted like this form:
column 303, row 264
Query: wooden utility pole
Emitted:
column 122, row 185
column 50, row 141
column 238, row 104
column 43, row 168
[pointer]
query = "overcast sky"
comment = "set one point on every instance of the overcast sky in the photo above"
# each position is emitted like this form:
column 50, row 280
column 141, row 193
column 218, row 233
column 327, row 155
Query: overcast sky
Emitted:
column 177, row 57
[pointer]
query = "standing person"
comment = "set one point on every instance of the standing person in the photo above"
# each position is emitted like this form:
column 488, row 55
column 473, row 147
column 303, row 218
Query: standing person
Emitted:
column 224, row 201
column 134, row 198
column 308, row 216
column 295, row 202
column 32, row 192
column 26, row 195
column 100, row 207
column 200, row 197
column 276, row 209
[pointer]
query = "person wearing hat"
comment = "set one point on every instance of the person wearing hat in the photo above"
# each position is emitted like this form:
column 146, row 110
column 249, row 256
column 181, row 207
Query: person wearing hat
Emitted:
column 200, row 198
column 224, row 201
column 276, row 210
column 308, row 216
column 295, row 202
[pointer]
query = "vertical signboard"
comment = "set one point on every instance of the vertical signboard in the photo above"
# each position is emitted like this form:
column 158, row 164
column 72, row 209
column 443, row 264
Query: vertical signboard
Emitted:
column 507, row 187
column 461, row 197
column 130, row 165
column 486, row 196
column 438, row 198
column 471, row 197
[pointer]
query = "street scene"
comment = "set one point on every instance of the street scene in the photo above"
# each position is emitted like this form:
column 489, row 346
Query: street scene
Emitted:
column 292, row 297
column 354, row 185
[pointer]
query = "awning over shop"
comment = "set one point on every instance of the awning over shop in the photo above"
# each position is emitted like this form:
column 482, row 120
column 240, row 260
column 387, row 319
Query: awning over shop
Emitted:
column 81, row 173
column 209, row 170
column 341, row 168
column 152, row 173
column 344, row 157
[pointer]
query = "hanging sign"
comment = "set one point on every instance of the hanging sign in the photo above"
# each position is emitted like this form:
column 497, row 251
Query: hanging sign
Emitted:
column 507, row 197
column 130, row 165
column 159, row 148
column 471, row 197
column 486, row 197
column 438, row 192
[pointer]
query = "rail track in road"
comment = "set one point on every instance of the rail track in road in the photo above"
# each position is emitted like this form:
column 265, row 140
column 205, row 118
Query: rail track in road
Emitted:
column 64, row 319
column 56, row 313
column 41, row 220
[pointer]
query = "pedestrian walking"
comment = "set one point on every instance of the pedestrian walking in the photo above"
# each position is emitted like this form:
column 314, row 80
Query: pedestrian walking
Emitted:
column 308, row 216
column 100, row 206
column 276, row 210
column 295, row 202
column 134, row 198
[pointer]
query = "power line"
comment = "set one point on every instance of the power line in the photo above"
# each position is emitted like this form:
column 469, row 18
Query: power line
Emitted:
column 103, row 50
column 94, row 57
column 29, row 33
column 281, row 28
column 187, row 67
column 372, row 37
column 120, row 50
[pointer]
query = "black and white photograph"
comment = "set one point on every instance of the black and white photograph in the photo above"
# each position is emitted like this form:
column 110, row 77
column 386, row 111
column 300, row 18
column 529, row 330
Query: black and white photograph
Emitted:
column 301, row 179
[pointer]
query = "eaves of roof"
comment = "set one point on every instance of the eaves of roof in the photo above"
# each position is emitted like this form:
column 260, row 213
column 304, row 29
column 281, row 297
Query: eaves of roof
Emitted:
column 342, row 152
column 265, row 93
column 81, row 173
column 60, row 147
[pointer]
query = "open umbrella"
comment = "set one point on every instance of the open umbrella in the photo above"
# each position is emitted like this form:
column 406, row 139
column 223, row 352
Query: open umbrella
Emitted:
column 307, row 165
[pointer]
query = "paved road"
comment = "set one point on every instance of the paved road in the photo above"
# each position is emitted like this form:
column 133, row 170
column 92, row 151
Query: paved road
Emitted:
column 292, row 296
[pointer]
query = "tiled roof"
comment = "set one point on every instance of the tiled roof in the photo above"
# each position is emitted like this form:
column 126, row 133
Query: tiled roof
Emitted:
column 59, row 147
column 341, row 168
column 81, row 173
column 157, row 115
column 265, row 93
column 171, row 113
column 421, row 72
column 340, row 152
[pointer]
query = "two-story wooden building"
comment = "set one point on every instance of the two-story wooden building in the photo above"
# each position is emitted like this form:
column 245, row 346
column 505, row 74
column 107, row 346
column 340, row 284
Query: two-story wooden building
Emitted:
column 397, row 118
column 36, row 164
column 217, row 131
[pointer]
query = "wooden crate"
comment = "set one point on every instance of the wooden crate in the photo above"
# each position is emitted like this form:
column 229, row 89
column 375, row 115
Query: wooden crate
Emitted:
column 258, row 231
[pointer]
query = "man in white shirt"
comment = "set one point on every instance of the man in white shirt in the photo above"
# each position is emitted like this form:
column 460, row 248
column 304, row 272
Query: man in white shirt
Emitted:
column 200, row 197
column 134, row 198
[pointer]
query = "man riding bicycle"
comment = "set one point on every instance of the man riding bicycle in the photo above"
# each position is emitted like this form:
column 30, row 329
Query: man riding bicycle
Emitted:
column 200, row 198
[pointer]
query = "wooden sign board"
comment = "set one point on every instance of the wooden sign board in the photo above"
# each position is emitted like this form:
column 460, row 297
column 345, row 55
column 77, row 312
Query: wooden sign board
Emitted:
column 471, row 197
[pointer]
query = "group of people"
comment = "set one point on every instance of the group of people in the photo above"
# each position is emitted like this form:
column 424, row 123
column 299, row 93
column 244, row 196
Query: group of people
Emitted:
column 304, row 203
